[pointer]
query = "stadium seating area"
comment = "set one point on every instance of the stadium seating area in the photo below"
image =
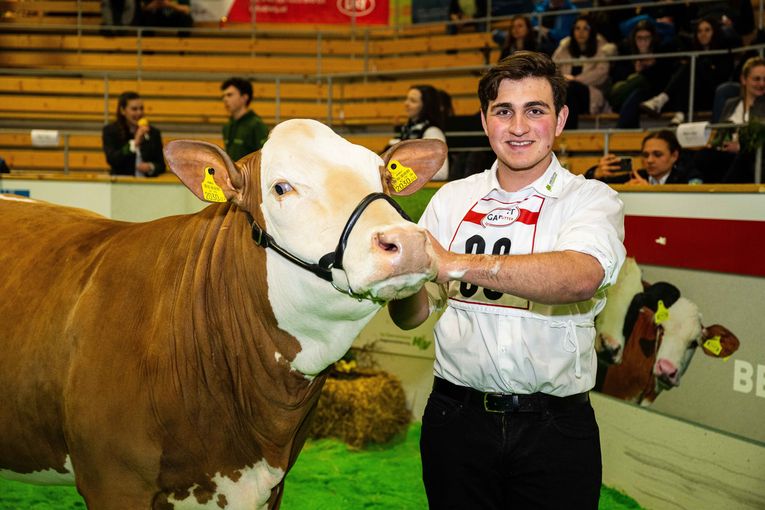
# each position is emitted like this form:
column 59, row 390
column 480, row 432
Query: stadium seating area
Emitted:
column 55, row 76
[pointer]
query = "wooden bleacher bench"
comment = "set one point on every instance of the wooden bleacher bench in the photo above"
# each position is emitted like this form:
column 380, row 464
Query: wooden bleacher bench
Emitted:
column 50, row 12
column 60, row 99
column 85, row 155
column 302, row 56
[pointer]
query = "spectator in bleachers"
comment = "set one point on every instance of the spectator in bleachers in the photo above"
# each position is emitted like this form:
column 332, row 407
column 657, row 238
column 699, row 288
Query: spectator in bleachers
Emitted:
column 663, row 160
column 521, row 36
column 727, row 160
column 425, row 112
column 131, row 145
column 245, row 132
column 711, row 71
column 4, row 168
column 588, row 79
column 636, row 80
column 608, row 21
column 556, row 27
column 117, row 13
column 166, row 13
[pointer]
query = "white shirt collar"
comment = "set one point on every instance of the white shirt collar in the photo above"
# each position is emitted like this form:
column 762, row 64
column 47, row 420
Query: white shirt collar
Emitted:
column 548, row 184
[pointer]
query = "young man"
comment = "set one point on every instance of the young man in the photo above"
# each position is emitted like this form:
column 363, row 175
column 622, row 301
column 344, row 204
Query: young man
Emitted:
column 526, row 249
column 245, row 132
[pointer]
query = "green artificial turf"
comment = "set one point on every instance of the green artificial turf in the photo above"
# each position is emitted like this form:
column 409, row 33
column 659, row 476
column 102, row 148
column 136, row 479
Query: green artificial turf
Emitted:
column 328, row 475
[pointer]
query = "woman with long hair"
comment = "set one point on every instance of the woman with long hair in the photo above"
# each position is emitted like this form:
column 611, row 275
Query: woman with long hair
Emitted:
column 711, row 71
column 426, row 109
column 588, row 80
column 131, row 145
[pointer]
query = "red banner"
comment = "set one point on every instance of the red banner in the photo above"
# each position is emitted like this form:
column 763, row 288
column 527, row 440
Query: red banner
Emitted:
column 365, row 12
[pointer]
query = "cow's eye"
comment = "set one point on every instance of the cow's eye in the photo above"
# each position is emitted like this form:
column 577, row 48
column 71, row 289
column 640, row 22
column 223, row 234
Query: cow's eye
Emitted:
column 282, row 187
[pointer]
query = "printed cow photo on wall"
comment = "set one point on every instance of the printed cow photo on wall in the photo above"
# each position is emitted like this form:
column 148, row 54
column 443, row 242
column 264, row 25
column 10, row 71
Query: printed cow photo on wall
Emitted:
column 647, row 335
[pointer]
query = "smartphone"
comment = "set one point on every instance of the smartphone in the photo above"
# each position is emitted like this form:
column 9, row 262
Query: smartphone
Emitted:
column 625, row 165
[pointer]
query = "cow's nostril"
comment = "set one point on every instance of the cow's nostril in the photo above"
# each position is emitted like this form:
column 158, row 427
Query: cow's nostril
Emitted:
column 385, row 245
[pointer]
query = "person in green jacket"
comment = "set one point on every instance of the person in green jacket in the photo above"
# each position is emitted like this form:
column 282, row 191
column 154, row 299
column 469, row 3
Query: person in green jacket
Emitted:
column 244, row 132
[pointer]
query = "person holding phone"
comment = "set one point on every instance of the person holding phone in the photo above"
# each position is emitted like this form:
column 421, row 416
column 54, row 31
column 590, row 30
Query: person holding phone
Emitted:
column 662, row 164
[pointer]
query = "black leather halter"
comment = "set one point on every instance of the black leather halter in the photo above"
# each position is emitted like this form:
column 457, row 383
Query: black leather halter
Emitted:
column 332, row 260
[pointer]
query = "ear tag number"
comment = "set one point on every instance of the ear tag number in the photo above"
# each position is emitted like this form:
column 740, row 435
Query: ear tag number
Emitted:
column 661, row 314
column 713, row 346
column 210, row 190
column 402, row 175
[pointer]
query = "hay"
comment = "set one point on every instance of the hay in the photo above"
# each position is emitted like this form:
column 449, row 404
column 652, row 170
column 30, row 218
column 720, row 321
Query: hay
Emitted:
column 361, row 407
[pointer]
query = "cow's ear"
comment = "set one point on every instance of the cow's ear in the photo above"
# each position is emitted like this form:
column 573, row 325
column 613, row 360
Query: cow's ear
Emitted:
column 412, row 163
column 718, row 341
column 206, row 170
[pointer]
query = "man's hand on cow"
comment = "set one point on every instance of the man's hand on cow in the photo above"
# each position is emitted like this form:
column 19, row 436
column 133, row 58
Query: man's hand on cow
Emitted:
column 443, row 259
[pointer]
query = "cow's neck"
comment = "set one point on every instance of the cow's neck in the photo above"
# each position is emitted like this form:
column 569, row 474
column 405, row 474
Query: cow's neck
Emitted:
column 237, row 348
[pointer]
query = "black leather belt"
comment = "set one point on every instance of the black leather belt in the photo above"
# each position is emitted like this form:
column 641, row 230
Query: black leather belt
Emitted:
column 506, row 402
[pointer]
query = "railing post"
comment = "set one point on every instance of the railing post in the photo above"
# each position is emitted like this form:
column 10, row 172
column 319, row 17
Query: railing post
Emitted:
column 366, row 54
column 758, row 166
column 691, row 87
column 606, row 142
column 318, row 52
column 329, row 100
column 66, row 153
column 106, row 99
column 278, row 114
column 138, row 53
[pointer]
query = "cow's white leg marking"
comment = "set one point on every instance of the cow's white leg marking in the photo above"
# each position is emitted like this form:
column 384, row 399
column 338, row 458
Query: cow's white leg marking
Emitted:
column 43, row 477
column 250, row 491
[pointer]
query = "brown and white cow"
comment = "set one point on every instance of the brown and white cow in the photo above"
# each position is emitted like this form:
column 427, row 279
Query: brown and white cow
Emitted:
column 647, row 335
column 176, row 363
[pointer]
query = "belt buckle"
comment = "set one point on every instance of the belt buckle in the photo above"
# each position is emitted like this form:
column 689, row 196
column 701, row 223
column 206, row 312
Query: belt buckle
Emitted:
column 513, row 401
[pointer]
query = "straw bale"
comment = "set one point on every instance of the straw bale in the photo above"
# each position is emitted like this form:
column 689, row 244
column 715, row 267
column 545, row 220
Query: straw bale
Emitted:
column 361, row 407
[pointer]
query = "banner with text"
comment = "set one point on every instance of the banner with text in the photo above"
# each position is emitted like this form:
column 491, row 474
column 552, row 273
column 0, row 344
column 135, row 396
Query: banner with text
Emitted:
column 364, row 12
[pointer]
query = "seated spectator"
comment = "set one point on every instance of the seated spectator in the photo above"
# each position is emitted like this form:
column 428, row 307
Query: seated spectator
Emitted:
column 519, row 37
column 131, row 145
column 661, row 154
column 634, row 81
column 116, row 13
column 711, row 71
column 4, row 168
column 166, row 13
column 587, row 80
column 555, row 27
column 726, row 160
column 426, row 119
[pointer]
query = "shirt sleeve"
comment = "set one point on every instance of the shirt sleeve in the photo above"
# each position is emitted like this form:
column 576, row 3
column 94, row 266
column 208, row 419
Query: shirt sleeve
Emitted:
column 595, row 226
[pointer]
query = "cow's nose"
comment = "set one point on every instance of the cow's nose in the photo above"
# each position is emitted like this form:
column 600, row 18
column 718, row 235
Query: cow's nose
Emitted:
column 404, row 248
column 666, row 370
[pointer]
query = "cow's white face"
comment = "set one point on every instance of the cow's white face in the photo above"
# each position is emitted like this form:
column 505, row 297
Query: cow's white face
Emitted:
column 311, row 181
column 680, row 336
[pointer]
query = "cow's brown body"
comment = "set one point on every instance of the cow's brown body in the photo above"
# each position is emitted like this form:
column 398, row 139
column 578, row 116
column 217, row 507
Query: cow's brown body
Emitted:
column 126, row 328
column 175, row 363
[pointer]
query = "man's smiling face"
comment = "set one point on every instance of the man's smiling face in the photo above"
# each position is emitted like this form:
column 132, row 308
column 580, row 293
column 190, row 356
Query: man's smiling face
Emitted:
column 522, row 125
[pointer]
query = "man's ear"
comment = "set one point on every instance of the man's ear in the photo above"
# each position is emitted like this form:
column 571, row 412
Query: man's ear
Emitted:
column 483, row 123
column 561, row 121
column 206, row 170
column 408, row 165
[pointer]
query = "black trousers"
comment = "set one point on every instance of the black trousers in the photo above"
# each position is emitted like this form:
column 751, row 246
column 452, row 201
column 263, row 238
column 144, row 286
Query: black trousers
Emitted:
column 474, row 459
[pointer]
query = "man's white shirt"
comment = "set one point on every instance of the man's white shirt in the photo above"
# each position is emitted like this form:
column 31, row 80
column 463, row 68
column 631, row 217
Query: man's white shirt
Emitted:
column 497, row 342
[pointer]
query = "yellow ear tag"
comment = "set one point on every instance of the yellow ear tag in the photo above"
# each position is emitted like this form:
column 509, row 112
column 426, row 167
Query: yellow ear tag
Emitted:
column 713, row 345
column 661, row 314
column 402, row 175
column 210, row 190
